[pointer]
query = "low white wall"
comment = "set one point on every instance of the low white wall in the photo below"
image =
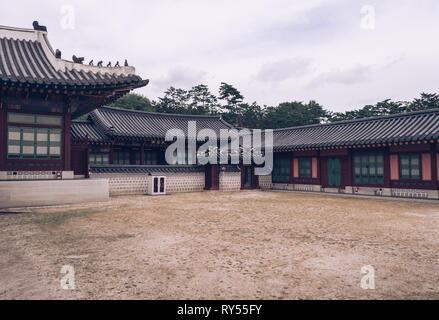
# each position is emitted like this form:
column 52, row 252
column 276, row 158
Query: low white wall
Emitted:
column 397, row 193
column 137, row 183
column 44, row 193
column 35, row 175
column 185, row 182
column 230, row 181
column 265, row 182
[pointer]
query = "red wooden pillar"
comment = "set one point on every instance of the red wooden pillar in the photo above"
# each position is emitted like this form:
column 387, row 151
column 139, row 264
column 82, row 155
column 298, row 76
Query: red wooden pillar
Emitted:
column 351, row 167
column 349, row 170
column 292, row 168
column 434, row 167
column 67, row 146
column 387, row 170
column 3, row 137
column 87, row 161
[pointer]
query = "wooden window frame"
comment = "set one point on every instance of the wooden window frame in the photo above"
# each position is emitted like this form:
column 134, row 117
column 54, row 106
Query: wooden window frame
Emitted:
column 35, row 155
column 101, row 154
column 305, row 168
column 410, row 157
column 368, row 178
column 153, row 161
column 285, row 167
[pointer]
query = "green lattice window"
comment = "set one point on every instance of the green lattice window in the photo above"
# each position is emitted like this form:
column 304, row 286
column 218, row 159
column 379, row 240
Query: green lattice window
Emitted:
column 99, row 158
column 121, row 156
column 410, row 166
column 369, row 168
column 281, row 168
column 305, row 168
column 151, row 157
column 34, row 143
column 34, row 119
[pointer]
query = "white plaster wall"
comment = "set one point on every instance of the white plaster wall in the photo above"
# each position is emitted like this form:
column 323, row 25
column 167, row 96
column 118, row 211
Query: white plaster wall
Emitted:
column 43, row 193
column 230, row 181
column 135, row 184
column 265, row 182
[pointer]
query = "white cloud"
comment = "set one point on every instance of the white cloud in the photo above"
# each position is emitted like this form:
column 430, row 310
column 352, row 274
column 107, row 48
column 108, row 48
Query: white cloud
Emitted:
column 284, row 69
column 254, row 45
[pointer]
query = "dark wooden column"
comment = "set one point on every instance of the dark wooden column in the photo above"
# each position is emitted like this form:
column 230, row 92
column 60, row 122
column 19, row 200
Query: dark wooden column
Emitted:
column 67, row 145
column 351, row 167
column 387, row 182
column 434, row 164
column 87, row 161
column 111, row 155
column 291, row 167
column 3, row 137
column 142, row 154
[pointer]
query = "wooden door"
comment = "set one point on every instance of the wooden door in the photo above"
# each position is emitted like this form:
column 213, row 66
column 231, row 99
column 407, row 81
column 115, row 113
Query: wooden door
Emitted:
column 212, row 177
column 334, row 172
column 79, row 159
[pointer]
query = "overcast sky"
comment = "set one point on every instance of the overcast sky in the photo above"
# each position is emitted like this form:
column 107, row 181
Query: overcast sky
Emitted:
column 343, row 53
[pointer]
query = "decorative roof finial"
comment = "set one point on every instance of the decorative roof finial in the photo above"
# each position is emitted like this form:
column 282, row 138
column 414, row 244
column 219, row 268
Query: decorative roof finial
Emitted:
column 100, row 63
column 126, row 63
column 117, row 64
column 37, row 26
column 109, row 64
column 58, row 54
column 90, row 63
column 77, row 60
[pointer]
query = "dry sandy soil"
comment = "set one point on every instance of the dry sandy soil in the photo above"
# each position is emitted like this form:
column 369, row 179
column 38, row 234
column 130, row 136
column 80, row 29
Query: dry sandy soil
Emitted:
column 247, row 245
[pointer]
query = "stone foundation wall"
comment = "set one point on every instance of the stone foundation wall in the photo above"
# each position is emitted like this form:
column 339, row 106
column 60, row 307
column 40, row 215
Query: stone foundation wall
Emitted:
column 230, row 181
column 185, row 182
column 297, row 187
column 397, row 193
column 265, row 182
column 35, row 175
column 134, row 184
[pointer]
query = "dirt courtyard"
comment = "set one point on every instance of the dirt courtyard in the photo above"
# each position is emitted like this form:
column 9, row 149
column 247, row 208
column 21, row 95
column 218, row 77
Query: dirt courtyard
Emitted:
column 213, row 245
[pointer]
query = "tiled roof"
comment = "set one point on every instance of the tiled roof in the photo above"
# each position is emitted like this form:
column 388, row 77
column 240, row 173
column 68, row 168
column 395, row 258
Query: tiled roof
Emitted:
column 151, row 170
column 156, row 170
column 27, row 58
column 85, row 131
column 146, row 125
column 408, row 127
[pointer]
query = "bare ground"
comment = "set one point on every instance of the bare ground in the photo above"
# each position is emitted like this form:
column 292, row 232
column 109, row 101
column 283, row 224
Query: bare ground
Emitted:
column 246, row 245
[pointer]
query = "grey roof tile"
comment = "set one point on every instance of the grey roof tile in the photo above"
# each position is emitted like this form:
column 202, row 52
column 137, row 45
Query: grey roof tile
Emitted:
column 408, row 127
column 146, row 125
column 85, row 131
column 26, row 57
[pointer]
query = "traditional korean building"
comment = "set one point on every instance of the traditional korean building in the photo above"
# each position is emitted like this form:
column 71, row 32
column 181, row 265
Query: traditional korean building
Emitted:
column 386, row 156
column 40, row 93
column 49, row 157
column 127, row 146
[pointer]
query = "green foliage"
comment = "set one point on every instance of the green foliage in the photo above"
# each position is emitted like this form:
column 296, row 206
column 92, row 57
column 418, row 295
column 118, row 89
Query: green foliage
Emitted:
column 199, row 101
column 426, row 102
column 202, row 101
column 174, row 101
column 231, row 106
column 388, row 107
column 134, row 101
column 291, row 114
